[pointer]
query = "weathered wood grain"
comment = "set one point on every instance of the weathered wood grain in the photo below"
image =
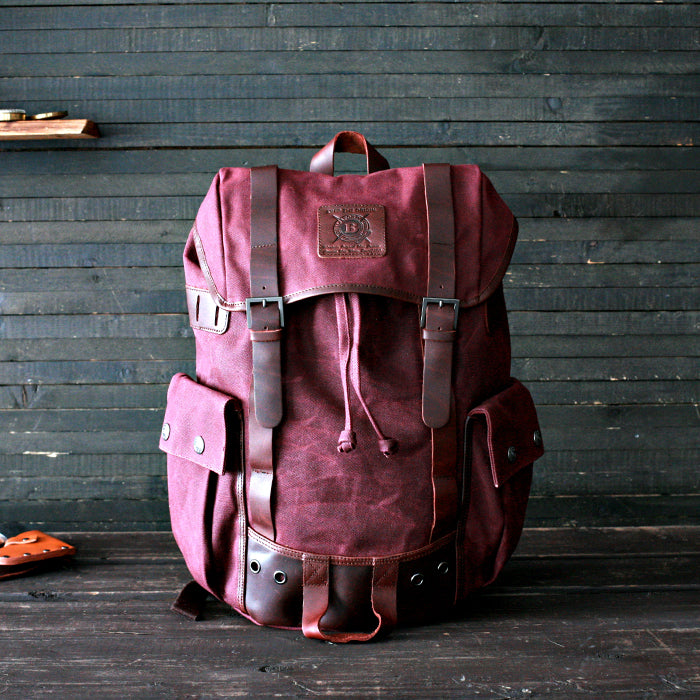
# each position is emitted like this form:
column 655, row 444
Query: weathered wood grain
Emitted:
column 576, row 613
column 583, row 116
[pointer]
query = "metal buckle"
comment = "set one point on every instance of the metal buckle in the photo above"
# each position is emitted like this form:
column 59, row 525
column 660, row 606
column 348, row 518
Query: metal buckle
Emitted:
column 440, row 302
column 264, row 301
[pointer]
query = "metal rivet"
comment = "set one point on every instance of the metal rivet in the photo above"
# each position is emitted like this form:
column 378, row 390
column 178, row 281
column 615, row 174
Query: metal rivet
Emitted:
column 280, row 577
column 165, row 432
column 198, row 444
column 27, row 554
column 443, row 567
column 46, row 550
column 537, row 438
column 417, row 579
column 512, row 454
column 64, row 547
column 255, row 566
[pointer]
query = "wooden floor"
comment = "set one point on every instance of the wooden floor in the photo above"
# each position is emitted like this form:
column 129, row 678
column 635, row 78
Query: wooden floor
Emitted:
column 593, row 613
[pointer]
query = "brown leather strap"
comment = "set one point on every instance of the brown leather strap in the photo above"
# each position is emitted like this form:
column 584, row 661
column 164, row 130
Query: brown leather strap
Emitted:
column 439, row 315
column 316, row 598
column 347, row 142
column 262, row 476
column 444, row 478
column 264, row 307
column 190, row 601
column 440, row 309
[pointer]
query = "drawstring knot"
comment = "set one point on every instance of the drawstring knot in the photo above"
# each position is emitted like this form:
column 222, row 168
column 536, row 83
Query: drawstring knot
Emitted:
column 347, row 440
column 349, row 358
column 388, row 446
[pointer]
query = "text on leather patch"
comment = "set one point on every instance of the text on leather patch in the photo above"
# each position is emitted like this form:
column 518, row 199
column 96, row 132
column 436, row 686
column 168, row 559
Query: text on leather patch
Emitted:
column 351, row 231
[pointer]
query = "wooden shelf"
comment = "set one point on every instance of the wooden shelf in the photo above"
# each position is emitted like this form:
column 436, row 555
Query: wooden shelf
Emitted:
column 49, row 129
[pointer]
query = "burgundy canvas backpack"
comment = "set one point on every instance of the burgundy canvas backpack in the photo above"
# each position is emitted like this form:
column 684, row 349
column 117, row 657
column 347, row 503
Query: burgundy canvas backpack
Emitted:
column 353, row 452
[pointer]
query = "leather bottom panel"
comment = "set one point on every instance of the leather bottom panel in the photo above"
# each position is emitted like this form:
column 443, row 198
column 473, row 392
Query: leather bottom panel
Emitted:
column 274, row 586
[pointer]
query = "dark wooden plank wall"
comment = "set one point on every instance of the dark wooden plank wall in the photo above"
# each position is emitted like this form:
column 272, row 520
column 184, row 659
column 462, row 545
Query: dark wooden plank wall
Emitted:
column 583, row 114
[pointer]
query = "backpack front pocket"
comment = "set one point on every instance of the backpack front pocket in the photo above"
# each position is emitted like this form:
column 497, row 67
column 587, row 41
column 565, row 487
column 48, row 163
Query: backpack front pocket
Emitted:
column 202, row 433
column 502, row 440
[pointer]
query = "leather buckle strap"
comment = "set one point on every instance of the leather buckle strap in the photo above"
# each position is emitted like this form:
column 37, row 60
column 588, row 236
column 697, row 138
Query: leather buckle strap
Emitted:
column 264, row 307
column 440, row 302
column 264, row 301
column 440, row 308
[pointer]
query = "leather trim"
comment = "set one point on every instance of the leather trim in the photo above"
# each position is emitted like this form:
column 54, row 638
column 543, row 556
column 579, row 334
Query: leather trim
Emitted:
column 262, row 476
column 205, row 314
column 444, row 477
column 378, row 290
column 344, row 598
column 352, row 561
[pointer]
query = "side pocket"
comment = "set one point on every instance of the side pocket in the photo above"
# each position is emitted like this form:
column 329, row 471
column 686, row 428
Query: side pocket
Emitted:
column 201, row 435
column 502, row 440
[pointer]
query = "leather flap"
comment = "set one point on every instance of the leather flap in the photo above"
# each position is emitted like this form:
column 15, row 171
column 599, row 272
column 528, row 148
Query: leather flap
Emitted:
column 217, row 256
column 513, row 432
column 194, row 427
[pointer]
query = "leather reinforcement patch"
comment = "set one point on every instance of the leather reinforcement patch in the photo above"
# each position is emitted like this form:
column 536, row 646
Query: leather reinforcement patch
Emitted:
column 351, row 231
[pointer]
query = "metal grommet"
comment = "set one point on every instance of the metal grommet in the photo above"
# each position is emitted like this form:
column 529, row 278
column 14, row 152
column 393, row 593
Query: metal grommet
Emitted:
column 198, row 444
column 4, row 556
column 26, row 539
column 443, row 568
column 165, row 432
column 46, row 550
column 64, row 547
column 417, row 579
column 280, row 577
column 27, row 554
column 255, row 566
column 537, row 438
column 512, row 454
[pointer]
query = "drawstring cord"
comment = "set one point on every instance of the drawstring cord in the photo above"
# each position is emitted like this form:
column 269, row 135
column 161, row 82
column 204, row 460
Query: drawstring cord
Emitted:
column 347, row 439
column 349, row 357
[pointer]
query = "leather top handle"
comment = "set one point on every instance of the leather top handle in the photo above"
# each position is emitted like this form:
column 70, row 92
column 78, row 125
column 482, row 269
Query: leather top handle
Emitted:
column 347, row 142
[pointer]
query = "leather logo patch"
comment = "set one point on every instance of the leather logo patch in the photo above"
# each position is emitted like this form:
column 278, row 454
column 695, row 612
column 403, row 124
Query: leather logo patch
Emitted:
column 351, row 231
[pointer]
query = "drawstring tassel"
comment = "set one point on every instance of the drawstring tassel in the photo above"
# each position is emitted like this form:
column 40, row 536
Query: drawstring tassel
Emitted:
column 347, row 441
column 349, row 360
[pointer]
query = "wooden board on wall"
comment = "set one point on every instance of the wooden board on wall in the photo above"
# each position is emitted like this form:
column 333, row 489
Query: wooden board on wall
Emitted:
column 584, row 116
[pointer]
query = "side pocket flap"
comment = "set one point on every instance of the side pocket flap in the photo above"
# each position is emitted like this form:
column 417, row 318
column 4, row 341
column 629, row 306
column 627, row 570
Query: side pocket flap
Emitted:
column 513, row 432
column 195, row 424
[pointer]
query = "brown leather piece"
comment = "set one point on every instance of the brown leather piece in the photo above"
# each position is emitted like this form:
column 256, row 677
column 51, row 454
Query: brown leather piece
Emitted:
column 347, row 142
column 190, row 601
column 265, row 315
column 205, row 314
column 351, row 231
column 438, row 351
column 261, row 476
column 327, row 596
column 24, row 552
column 444, row 477
column 439, row 318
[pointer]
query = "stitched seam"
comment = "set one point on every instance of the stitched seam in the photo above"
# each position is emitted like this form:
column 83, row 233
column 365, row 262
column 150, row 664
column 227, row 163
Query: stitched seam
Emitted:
column 353, row 561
